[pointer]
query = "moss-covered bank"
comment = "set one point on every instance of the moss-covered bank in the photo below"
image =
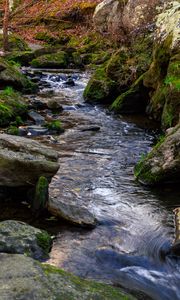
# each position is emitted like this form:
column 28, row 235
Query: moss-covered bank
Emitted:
column 12, row 106
column 10, row 75
column 23, row 278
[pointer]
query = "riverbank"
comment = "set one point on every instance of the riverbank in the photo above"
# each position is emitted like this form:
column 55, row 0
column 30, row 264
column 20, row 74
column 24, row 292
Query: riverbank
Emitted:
column 107, row 226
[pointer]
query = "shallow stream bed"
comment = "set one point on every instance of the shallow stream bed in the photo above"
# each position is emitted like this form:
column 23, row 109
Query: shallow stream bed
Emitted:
column 135, row 223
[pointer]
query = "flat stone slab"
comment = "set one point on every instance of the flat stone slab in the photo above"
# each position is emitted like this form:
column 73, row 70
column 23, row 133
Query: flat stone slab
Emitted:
column 23, row 161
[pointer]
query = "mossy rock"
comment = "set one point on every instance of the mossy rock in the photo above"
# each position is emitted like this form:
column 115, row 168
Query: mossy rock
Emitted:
column 95, row 59
column 100, row 87
column 158, row 68
column 165, row 100
column 11, row 76
column 50, row 39
column 21, row 57
column 41, row 194
column 132, row 101
column 12, row 105
column 24, row 278
column 55, row 60
column 119, row 69
column 141, row 50
column 16, row 43
column 21, row 238
column 162, row 164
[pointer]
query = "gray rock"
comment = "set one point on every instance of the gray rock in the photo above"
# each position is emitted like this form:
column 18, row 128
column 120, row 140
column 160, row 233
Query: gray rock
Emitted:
column 54, row 104
column 23, row 161
column 20, row 238
column 36, row 130
column 22, row 278
column 90, row 128
column 70, row 82
column 162, row 164
column 37, row 118
column 71, row 211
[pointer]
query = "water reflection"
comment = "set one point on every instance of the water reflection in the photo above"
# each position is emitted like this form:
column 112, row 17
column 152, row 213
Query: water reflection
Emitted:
column 135, row 228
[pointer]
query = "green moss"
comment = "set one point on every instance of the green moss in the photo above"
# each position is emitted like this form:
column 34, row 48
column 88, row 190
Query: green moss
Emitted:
column 13, row 130
column 55, row 60
column 143, row 171
column 44, row 241
column 118, row 68
column 91, row 290
column 6, row 114
column 41, row 194
column 15, row 43
column 144, row 175
column 100, row 87
column 55, row 125
column 173, row 81
column 21, row 57
column 159, row 66
column 133, row 100
column 11, row 76
column 12, row 106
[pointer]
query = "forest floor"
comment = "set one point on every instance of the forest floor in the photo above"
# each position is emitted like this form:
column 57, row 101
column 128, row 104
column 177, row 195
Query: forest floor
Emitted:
column 53, row 18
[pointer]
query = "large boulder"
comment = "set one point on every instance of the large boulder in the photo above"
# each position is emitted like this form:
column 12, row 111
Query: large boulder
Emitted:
column 132, row 101
column 55, row 60
column 138, row 15
column 21, row 238
column 23, row 278
column 162, row 164
column 162, row 78
column 23, row 161
column 119, row 18
column 108, row 17
column 11, row 76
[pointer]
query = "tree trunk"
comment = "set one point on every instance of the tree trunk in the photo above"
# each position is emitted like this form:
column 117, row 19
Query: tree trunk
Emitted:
column 5, row 26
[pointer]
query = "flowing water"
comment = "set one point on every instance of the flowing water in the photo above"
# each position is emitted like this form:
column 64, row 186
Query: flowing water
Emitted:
column 135, row 224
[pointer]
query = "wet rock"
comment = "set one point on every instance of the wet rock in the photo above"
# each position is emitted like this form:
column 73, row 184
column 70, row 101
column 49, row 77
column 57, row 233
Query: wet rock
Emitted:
column 70, row 82
column 38, row 104
column 54, row 104
column 23, row 161
column 36, row 130
column 175, row 249
column 21, row 238
column 90, row 128
column 162, row 164
column 37, row 118
column 69, row 107
column 71, row 212
column 23, row 278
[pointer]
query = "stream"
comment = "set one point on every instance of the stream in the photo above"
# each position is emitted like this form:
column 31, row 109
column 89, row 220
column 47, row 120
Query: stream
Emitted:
column 98, row 151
